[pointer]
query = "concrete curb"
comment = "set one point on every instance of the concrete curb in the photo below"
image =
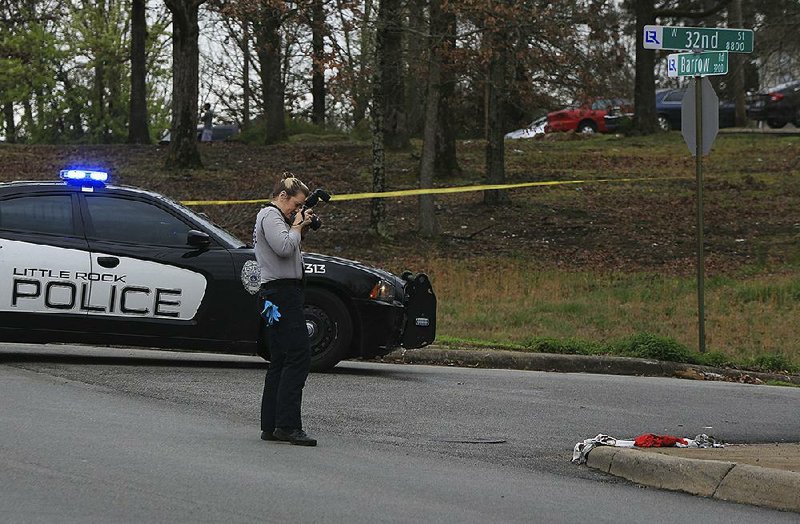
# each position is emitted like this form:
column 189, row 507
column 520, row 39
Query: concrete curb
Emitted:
column 741, row 483
column 504, row 359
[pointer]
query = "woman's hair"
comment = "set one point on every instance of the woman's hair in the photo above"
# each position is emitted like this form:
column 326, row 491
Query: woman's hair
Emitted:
column 291, row 184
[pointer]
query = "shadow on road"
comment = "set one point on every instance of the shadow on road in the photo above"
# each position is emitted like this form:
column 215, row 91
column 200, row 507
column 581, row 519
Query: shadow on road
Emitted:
column 10, row 357
column 387, row 372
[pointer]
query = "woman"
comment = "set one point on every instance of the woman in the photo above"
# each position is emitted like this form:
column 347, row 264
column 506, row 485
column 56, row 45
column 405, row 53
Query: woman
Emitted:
column 276, row 239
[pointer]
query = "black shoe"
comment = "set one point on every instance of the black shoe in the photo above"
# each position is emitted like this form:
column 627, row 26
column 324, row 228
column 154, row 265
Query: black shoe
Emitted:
column 297, row 437
column 267, row 435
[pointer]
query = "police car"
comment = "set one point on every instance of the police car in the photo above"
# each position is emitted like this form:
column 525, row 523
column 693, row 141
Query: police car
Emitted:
column 82, row 261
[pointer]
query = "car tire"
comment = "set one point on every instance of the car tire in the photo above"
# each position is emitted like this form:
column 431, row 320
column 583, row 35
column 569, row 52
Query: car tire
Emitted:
column 330, row 328
column 587, row 127
column 663, row 123
column 776, row 124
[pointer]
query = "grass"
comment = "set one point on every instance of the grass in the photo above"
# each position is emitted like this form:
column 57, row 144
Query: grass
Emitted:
column 512, row 299
column 751, row 320
column 752, row 316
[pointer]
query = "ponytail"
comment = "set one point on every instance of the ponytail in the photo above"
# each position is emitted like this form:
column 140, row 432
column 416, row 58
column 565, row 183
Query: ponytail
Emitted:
column 291, row 184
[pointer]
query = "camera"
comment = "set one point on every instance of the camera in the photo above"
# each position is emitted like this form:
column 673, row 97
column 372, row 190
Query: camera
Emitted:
column 312, row 200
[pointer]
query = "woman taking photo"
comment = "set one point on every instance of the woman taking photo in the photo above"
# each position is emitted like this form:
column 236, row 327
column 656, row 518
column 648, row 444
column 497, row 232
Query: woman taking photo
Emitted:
column 276, row 239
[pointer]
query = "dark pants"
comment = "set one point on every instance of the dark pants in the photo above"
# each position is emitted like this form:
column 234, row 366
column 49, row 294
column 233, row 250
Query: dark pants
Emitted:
column 290, row 356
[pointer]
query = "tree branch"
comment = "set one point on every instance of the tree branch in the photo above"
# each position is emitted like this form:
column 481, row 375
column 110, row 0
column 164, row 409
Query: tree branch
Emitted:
column 678, row 13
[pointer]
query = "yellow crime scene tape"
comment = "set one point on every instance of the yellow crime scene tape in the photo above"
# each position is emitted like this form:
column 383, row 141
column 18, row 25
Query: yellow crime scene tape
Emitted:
column 432, row 191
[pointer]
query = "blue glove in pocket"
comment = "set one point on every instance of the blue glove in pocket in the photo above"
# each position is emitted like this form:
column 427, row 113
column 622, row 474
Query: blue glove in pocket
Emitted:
column 270, row 313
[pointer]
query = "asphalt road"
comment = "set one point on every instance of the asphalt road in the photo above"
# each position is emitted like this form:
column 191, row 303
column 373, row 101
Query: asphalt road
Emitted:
column 100, row 435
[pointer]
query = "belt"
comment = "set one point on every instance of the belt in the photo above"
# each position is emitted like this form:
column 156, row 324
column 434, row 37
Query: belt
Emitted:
column 282, row 283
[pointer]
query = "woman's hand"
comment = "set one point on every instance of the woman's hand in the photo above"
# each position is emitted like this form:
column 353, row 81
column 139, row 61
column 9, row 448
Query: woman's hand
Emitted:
column 303, row 218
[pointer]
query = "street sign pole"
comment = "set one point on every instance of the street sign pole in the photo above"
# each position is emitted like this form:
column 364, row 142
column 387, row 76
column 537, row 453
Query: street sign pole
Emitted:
column 709, row 48
column 701, row 316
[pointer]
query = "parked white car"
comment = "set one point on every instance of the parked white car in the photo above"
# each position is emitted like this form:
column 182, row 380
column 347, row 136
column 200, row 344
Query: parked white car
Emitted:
column 535, row 128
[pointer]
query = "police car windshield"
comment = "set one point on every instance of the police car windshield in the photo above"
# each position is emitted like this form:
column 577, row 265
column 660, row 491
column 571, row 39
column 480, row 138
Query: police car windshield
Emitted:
column 225, row 236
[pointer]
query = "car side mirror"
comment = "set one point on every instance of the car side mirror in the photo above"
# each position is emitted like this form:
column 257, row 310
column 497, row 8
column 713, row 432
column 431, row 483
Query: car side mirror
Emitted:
column 198, row 238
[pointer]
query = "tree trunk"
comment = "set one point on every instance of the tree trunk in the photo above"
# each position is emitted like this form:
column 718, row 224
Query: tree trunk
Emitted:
column 318, row 58
column 378, row 207
column 446, row 163
column 27, row 118
column 415, row 80
column 11, row 127
column 738, row 62
column 246, row 75
column 268, row 47
column 360, row 89
column 644, row 91
column 495, row 95
column 427, row 208
column 100, row 125
column 390, row 29
column 138, row 126
column 183, row 151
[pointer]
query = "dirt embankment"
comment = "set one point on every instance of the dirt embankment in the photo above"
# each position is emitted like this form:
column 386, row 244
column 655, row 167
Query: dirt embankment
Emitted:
column 624, row 226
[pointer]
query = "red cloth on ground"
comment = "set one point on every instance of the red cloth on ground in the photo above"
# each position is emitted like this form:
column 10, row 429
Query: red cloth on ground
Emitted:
column 650, row 440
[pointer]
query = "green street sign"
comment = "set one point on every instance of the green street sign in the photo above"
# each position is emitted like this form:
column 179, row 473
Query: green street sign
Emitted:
column 698, row 38
column 698, row 64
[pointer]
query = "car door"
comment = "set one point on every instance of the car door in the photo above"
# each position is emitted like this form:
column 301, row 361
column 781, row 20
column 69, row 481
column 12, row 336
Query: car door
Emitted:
column 147, row 281
column 43, row 256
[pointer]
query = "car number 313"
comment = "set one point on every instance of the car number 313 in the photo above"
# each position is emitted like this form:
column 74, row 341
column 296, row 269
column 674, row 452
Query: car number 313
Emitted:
column 83, row 261
column 319, row 269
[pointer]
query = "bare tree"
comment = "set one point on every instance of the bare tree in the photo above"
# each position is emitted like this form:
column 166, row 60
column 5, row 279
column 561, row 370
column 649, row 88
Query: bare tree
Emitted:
column 390, row 61
column 496, row 91
column 183, row 151
column 138, row 125
column 427, row 210
column 445, row 162
column 378, row 207
column 268, row 48
column 318, row 31
column 737, row 71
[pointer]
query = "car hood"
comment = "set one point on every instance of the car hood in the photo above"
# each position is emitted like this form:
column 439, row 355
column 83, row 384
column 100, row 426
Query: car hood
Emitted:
column 353, row 264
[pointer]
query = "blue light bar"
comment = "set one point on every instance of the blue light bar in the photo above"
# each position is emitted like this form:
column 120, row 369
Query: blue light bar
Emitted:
column 90, row 177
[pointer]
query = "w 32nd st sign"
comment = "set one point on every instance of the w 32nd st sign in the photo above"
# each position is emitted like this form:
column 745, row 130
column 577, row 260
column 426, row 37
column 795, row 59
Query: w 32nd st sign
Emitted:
column 698, row 39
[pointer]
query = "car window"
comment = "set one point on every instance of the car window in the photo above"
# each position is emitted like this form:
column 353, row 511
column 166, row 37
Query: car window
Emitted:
column 48, row 214
column 600, row 104
column 133, row 221
column 674, row 96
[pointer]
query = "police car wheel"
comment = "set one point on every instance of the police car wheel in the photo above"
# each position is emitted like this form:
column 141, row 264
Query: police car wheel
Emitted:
column 330, row 328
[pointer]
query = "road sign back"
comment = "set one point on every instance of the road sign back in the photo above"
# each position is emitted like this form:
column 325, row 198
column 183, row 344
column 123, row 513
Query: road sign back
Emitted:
column 709, row 113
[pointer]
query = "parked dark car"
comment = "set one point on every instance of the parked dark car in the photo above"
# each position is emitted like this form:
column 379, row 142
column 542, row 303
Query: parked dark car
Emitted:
column 776, row 106
column 589, row 118
column 668, row 109
column 218, row 132
column 86, row 262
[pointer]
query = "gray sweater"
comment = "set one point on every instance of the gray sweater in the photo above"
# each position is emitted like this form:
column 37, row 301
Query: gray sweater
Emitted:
column 277, row 246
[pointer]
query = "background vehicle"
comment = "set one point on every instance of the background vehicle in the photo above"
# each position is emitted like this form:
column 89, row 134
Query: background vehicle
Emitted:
column 776, row 106
column 535, row 128
column 586, row 119
column 98, row 264
column 668, row 109
column 218, row 132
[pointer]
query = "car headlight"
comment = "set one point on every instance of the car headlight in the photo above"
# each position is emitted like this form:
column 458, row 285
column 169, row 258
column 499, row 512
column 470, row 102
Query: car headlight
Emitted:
column 383, row 291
